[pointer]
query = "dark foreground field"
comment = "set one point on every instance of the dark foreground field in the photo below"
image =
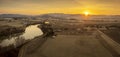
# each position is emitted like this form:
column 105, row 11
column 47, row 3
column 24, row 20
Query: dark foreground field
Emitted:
column 113, row 34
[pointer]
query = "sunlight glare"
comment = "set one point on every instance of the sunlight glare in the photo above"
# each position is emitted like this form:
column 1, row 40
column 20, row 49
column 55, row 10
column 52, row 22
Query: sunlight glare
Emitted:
column 86, row 13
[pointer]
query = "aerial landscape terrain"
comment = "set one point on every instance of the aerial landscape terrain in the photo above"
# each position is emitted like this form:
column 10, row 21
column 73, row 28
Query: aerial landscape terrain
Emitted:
column 96, row 36
column 59, row 28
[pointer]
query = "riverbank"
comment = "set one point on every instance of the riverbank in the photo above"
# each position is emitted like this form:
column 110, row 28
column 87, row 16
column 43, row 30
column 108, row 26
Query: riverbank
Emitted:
column 9, row 30
column 10, row 46
column 16, row 26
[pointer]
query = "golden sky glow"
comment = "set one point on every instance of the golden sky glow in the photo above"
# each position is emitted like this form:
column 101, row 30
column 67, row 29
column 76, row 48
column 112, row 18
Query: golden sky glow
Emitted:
column 32, row 7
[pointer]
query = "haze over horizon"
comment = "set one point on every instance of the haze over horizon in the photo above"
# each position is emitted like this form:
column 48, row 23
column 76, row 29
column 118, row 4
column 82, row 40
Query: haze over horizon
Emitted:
column 34, row 7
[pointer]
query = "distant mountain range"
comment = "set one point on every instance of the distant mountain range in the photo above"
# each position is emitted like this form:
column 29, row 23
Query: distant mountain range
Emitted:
column 59, row 15
column 12, row 15
column 63, row 16
column 77, row 16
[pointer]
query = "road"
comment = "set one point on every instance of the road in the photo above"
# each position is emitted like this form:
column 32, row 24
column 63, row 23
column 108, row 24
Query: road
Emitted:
column 69, row 46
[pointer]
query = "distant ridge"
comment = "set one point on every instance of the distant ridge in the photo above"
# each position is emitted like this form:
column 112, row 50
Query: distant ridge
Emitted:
column 12, row 15
column 78, row 16
column 62, row 16
column 59, row 15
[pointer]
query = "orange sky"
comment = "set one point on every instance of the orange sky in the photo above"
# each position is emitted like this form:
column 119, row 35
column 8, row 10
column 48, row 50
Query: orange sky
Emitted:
column 32, row 7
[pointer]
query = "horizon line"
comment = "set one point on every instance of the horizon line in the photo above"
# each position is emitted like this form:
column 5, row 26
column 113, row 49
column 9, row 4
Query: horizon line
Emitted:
column 60, row 13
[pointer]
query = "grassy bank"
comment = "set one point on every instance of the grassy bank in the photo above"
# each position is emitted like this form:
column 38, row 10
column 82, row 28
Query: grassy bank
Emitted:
column 8, row 30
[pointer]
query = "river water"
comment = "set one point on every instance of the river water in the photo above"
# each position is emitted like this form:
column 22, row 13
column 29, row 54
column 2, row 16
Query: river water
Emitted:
column 30, row 33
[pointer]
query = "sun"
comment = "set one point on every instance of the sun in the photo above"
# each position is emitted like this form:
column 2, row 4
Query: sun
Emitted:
column 86, row 13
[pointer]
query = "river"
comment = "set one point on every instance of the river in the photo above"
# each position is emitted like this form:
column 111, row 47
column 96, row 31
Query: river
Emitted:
column 30, row 33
